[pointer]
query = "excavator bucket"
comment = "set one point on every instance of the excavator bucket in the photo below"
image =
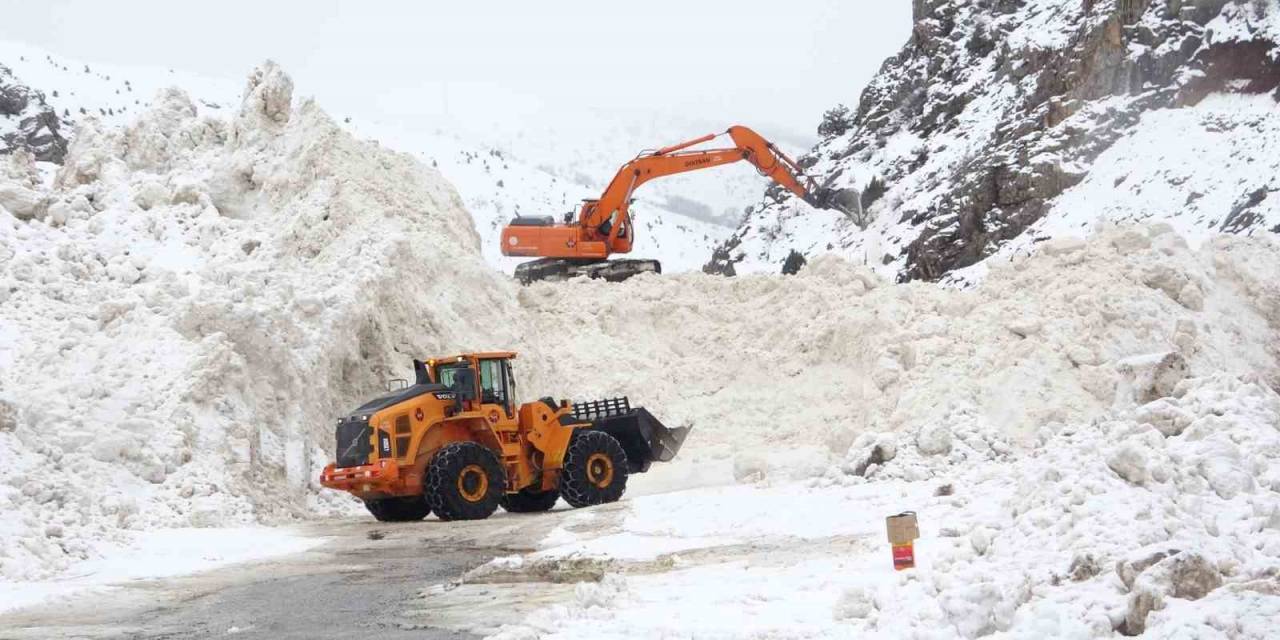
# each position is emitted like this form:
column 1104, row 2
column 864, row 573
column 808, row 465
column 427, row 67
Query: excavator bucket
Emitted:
column 642, row 436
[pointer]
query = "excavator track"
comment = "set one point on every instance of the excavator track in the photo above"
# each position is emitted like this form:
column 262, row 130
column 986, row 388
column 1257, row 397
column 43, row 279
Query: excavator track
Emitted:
column 556, row 269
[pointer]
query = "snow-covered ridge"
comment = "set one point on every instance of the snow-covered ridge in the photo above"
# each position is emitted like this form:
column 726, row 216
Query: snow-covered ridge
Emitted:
column 112, row 94
column 992, row 127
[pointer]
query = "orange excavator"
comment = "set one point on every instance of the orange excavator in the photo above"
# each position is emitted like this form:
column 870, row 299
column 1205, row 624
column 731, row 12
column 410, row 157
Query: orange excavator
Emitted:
column 604, row 227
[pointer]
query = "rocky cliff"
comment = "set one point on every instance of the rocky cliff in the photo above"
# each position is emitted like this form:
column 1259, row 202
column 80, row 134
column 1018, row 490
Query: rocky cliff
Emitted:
column 969, row 137
column 28, row 122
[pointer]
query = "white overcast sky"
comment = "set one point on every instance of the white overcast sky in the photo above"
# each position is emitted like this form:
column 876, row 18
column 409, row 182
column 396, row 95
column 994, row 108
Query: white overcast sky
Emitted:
column 778, row 62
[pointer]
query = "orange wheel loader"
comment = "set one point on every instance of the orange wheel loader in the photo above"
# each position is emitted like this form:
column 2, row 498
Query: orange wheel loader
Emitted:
column 456, row 444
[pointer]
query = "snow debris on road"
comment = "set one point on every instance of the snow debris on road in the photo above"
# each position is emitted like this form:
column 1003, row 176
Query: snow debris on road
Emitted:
column 159, row 553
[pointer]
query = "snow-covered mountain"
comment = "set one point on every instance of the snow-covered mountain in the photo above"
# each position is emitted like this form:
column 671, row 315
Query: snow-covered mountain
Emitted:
column 1002, row 124
column 113, row 94
column 542, row 163
column 27, row 121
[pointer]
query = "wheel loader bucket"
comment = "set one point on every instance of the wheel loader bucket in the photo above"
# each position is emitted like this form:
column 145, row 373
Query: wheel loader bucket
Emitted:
column 643, row 437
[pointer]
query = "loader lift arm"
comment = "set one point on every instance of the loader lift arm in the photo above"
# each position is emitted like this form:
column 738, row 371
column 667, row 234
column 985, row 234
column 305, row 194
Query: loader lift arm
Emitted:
column 603, row 226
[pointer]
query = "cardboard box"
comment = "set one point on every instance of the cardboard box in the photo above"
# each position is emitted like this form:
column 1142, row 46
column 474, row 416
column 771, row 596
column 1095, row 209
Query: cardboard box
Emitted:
column 903, row 528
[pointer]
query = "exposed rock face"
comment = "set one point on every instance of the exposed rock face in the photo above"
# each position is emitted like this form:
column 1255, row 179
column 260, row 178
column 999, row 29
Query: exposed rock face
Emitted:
column 28, row 122
column 996, row 107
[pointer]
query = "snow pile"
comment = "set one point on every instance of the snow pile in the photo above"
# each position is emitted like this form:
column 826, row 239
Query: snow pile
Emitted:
column 1161, row 518
column 782, row 375
column 1090, row 435
column 192, row 302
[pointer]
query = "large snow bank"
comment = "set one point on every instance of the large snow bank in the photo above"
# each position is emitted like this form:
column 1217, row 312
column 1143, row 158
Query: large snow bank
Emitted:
column 194, row 301
column 1090, row 435
column 780, row 375
column 1161, row 518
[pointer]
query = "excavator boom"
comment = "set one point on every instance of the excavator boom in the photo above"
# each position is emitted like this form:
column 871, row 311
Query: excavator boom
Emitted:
column 603, row 227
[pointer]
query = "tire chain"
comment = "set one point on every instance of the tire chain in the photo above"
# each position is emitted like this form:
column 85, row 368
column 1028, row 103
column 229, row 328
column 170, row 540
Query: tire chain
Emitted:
column 577, row 491
column 436, row 483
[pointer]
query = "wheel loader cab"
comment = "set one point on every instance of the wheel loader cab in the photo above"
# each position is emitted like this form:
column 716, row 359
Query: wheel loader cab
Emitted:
column 493, row 386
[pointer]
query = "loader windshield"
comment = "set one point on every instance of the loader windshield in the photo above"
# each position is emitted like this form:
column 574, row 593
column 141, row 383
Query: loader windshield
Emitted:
column 445, row 374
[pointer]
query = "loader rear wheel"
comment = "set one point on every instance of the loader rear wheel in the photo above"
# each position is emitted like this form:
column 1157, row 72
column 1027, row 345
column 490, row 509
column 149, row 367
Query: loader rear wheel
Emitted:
column 595, row 469
column 529, row 501
column 406, row 509
column 464, row 481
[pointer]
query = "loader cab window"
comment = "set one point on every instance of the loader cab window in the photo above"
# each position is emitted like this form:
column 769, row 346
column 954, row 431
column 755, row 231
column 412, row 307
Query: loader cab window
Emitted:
column 494, row 383
column 445, row 374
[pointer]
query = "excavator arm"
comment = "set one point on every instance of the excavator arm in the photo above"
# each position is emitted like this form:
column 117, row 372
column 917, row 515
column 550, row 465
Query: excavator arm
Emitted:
column 612, row 207
column 603, row 226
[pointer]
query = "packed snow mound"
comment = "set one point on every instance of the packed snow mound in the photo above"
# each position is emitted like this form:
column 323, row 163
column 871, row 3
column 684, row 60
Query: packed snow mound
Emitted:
column 1159, row 519
column 194, row 299
column 781, row 375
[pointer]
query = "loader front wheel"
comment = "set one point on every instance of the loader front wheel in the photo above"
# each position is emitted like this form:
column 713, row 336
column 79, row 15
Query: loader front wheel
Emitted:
column 595, row 470
column 529, row 501
column 407, row 509
column 464, row 481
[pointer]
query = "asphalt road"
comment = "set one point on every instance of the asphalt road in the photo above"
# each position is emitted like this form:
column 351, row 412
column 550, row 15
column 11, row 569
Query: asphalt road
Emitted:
column 366, row 579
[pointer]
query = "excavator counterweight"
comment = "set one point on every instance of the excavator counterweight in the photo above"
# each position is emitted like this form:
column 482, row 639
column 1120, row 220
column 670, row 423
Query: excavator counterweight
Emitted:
column 603, row 227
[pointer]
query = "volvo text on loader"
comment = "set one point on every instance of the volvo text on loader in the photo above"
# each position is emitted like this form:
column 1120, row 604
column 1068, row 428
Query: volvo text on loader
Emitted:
column 603, row 227
column 455, row 443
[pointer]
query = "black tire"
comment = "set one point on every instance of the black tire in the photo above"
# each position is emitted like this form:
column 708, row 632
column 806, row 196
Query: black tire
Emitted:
column 530, row 501
column 407, row 509
column 464, row 481
column 595, row 469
